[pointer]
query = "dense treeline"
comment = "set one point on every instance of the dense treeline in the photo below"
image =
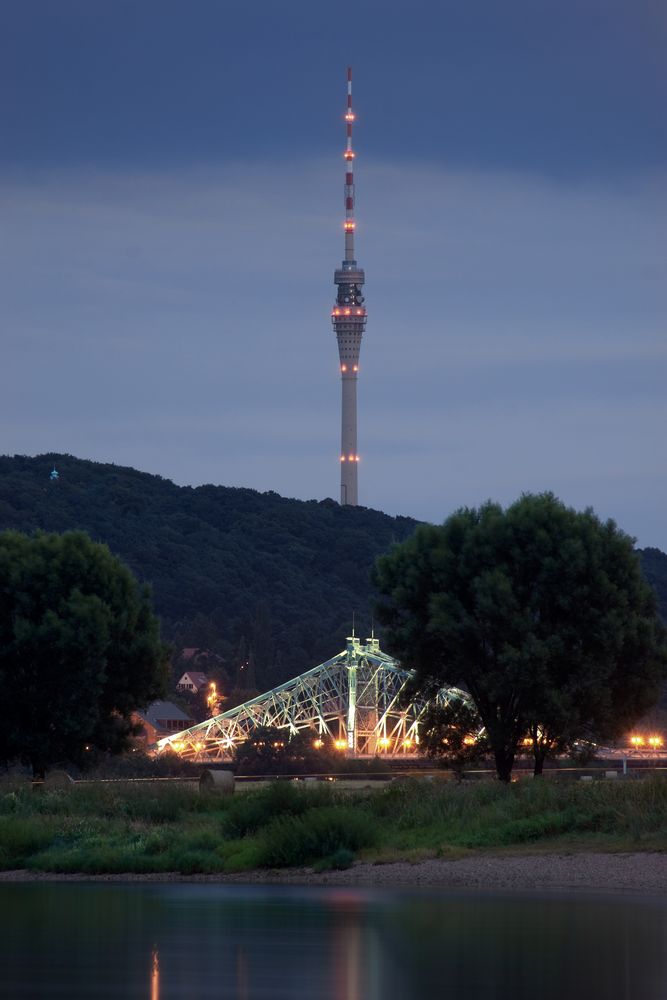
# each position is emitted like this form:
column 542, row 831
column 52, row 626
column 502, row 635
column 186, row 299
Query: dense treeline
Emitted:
column 654, row 565
column 267, row 583
column 79, row 649
column 260, row 580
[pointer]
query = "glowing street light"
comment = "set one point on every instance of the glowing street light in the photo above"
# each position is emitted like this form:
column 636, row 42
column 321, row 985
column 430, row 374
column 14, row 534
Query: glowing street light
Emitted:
column 213, row 698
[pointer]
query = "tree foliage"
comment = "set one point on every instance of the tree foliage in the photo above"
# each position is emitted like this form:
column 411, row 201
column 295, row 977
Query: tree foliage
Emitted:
column 222, row 563
column 79, row 648
column 226, row 566
column 654, row 568
column 454, row 734
column 272, row 751
column 540, row 612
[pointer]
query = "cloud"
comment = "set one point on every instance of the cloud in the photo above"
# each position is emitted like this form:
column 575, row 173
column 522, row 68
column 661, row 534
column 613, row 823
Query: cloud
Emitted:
column 179, row 321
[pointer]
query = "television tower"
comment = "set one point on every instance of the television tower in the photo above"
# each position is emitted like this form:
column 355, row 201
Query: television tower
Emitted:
column 349, row 321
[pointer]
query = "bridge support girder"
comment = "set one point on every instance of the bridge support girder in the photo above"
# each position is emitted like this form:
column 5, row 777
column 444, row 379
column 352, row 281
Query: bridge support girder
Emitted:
column 354, row 701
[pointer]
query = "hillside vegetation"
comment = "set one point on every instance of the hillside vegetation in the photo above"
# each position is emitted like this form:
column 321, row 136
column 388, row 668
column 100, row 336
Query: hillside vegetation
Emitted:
column 247, row 575
column 254, row 577
column 654, row 565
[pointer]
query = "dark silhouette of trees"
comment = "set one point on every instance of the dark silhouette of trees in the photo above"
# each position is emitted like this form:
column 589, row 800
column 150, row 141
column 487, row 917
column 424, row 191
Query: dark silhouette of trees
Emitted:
column 273, row 751
column 540, row 612
column 222, row 563
column 454, row 735
column 79, row 649
column 263, row 645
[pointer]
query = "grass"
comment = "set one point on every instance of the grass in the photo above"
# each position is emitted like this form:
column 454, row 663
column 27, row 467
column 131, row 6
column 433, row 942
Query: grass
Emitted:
column 113, row 828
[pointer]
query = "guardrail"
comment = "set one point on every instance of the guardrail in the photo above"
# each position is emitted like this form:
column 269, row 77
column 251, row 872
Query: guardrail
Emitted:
column 635, row 767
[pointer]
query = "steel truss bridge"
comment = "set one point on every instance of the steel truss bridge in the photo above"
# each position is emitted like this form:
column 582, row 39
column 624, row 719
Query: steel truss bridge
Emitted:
column 352, row 702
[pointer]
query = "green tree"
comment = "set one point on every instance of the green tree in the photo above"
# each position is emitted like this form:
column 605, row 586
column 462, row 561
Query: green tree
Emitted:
column 454, row 734
column 270, row 750
column 263, row 645
column 263, row 752
column 308, row 753
column 79, row 649
column 539, row 611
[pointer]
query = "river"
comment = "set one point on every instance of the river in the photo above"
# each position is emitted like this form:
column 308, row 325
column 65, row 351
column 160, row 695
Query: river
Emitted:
column 200, row 941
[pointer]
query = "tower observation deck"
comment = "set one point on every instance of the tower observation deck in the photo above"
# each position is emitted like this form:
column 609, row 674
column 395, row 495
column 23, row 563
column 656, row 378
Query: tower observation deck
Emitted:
column 349, row 320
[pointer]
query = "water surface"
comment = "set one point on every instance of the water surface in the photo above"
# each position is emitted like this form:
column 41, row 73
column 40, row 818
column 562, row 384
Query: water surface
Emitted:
column 194, row 942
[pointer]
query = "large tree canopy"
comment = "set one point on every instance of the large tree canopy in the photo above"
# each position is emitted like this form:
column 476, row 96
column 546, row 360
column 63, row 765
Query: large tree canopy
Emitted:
column 541, row 612
column 79, row 648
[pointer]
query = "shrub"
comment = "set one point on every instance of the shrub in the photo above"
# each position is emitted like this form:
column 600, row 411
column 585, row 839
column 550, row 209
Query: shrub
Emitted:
column 21, row 836
column 338, row 861
column 318, row 833
column 249, row 813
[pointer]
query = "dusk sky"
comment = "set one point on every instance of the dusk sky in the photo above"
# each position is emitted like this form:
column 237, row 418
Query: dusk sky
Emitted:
column 171, row 190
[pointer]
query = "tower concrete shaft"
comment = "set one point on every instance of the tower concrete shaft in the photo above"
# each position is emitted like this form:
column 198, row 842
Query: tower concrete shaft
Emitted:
column 349, row 322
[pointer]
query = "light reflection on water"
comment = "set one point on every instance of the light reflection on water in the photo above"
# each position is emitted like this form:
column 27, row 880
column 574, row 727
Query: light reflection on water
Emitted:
column 194, row 942
column 155, row 975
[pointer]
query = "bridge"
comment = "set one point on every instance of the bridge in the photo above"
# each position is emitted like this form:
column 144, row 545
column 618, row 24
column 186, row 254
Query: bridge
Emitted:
column 354, row 702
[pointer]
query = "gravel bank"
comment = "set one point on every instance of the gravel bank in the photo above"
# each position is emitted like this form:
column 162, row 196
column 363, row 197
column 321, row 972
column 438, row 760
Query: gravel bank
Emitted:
column 634, row 873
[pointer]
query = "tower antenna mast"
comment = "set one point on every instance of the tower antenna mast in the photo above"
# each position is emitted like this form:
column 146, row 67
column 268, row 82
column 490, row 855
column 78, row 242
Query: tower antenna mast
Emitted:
column 349, row 322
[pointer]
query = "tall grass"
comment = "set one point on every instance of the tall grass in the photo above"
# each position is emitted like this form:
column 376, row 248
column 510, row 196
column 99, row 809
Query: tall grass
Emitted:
column 163, row 828
column 249, row 813
column 315, row 835
column 21, row 837
column 153, row 803
column 494, row 815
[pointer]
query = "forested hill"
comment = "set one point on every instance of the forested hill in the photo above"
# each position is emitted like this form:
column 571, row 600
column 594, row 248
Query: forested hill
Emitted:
column 654, row 564
column 232, row 570
column 229, row 567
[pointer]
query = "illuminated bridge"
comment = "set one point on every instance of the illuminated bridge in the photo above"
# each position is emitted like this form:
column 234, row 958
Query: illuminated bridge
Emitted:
column 352, row 702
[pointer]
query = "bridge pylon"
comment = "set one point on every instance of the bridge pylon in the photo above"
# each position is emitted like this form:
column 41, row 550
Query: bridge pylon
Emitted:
column 355, row 702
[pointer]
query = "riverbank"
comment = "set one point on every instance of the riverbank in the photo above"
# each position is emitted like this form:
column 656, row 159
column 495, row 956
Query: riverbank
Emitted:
column 639, row 873
column 343, row 835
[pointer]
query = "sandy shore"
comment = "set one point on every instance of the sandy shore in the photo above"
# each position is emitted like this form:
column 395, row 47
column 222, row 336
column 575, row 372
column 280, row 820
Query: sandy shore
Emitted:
column 633, row 873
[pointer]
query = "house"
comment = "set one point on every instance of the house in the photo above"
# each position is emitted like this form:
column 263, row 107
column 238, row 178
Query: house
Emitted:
column 161, row 718
column 192, row 681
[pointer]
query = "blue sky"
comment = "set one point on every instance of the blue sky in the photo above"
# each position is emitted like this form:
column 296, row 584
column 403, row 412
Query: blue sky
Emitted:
column 171, row 195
